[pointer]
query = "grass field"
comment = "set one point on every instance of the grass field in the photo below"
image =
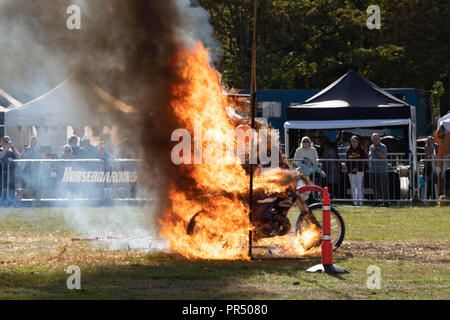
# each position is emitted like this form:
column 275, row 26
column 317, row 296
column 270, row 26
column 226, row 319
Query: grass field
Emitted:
column 409, row 245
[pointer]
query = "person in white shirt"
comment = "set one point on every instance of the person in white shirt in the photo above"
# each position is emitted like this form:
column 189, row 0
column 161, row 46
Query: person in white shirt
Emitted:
column 306, row 150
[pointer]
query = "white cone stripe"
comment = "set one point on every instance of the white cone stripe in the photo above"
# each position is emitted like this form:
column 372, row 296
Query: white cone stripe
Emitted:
column 326, row 237
column 326, row 208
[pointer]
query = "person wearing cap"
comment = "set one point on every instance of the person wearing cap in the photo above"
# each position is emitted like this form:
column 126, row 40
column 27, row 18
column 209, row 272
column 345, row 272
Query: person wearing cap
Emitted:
column 87, row 150
column 379, row 169
column 67, row 153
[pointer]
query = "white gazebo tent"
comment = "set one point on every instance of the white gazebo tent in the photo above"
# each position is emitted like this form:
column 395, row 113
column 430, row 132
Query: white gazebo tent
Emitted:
column 73, row 103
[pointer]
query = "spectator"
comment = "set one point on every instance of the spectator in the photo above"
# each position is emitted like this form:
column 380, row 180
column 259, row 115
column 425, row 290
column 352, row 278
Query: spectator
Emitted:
column 87, row 150
column 8, row 153
column 323, row 142
column 106, row 148
column 442, row 138
column 73, row 143
column 355, row 169
column 365, row 144
column 31, row 171
column 331, row 167
column 67, row 153
column 305, row 151
column 378, row 169
column 430, row 170
column 310, row 169
column 446, row 173
column 31, row 151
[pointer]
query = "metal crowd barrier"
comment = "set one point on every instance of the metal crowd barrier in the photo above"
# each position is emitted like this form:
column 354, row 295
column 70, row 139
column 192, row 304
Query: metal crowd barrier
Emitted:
column 395, row 185
column 61, row 180
column 390, row 155
column 433, row 176
column 128, row 191
column 49, row 180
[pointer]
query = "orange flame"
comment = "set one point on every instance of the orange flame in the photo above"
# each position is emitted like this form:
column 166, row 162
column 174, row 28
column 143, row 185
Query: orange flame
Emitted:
column 221, row 230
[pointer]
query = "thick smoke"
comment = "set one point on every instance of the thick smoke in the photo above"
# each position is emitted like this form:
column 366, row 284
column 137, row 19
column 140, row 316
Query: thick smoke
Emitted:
column 124, row 47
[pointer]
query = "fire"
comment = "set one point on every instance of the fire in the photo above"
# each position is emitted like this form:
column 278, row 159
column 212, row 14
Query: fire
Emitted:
column 299, row 245
column 222, row 227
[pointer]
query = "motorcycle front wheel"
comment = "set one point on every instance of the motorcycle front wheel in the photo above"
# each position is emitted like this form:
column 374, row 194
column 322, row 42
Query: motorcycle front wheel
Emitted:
column 337, row 226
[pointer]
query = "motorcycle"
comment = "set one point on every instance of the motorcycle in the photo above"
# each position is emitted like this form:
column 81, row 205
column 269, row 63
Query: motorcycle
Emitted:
column 270, row 215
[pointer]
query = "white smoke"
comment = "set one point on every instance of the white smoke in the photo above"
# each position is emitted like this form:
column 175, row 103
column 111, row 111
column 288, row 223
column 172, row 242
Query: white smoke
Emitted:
column 30, row 66
column 196, row 27
column 116, row 228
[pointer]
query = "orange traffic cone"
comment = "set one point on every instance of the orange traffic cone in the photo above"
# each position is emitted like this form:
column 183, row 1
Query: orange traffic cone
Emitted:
column 327, row 265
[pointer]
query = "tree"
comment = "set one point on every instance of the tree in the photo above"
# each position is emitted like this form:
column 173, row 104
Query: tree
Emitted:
column 436, row 94
column 306, row 44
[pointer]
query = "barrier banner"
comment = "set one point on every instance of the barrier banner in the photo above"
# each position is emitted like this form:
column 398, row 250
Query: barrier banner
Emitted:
column 98, row 180
column 73, row 179
column 76, row 179
column 121, row 178
column 79, row 173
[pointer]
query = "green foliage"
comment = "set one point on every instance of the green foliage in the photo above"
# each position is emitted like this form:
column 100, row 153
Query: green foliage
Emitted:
column 307, row 44
column 436, row 93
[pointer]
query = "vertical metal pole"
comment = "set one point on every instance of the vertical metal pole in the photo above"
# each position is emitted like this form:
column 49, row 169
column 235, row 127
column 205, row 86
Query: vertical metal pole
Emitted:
column 253, row 111
column 252, row 148
column 2, row 124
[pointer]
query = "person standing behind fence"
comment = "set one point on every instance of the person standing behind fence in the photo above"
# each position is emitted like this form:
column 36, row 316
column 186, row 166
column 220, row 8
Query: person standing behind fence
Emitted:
column 355, row 169
column 8, row 153
column 306, row 150
column 379, row 169
column 87, row 150
column 106, row 149
column 442, row 138
column 31, row 171
column 67, row 153
column 331, row 167
column 73, row 143
column 365, row 144
column 431, row 169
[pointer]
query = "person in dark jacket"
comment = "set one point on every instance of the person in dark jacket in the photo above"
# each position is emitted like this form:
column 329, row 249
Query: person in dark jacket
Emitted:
column 87, row 150
column 8, row 153
column 355, row 169
column 73, row 143
column 379, row 170
column 32, row 170
column 329, row 151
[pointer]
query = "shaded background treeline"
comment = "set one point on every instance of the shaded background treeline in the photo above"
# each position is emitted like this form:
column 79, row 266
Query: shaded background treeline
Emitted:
column 307, row 44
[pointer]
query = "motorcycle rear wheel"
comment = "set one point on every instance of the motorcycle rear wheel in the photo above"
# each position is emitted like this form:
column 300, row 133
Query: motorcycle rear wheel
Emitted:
column 336, row 224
